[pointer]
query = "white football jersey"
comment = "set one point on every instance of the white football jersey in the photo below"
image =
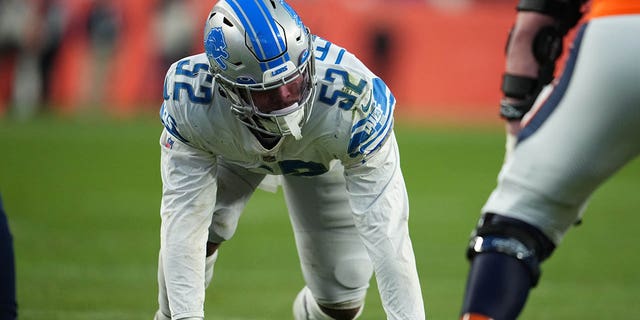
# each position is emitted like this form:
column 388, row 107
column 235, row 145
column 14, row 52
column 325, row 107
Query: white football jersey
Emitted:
column 351, row 123
column 351, row 117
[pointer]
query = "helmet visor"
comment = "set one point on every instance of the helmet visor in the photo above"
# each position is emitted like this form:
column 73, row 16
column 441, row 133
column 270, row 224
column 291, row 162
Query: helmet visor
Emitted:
column 282, row 97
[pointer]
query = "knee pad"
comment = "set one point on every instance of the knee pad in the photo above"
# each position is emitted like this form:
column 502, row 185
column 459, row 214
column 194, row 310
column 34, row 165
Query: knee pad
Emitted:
column 342, row 282
column 512, row 237
column 353, row 273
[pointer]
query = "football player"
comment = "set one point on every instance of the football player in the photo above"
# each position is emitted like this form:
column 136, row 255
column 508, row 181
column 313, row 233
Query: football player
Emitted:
column 268, row 98
column 581, row 130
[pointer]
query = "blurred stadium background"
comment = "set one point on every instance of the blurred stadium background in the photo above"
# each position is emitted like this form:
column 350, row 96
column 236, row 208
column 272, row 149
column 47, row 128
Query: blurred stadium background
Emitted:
column 440, row 56
column 80, row 85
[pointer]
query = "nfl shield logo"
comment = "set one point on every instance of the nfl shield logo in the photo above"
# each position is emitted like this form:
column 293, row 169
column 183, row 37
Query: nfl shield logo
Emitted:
column 169, row 143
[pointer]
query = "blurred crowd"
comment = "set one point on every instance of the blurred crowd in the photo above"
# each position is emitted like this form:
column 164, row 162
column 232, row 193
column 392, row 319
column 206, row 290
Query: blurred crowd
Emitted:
column 60, row 52
column 73, row 54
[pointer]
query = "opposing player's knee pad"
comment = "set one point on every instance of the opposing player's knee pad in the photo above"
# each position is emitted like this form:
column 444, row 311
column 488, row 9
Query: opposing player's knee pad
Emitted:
column 512, row 237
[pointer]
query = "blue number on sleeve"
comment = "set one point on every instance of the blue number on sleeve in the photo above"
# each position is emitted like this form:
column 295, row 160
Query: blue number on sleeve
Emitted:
column 347, row 99
column 324, row 52
column 202, row 94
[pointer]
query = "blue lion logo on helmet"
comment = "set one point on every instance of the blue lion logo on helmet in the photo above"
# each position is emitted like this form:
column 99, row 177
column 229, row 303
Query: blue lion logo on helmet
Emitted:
column 216, row 47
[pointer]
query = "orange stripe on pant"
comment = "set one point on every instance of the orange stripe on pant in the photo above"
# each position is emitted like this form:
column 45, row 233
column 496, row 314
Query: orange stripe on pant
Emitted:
column 601, row 8
column 474, row 316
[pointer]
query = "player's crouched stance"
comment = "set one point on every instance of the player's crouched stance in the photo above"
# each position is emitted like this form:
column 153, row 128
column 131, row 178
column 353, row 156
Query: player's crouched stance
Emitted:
column 270, row 98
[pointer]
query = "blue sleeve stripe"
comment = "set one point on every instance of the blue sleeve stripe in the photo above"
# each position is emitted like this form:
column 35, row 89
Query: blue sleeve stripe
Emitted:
column 369, row 133
column 380, row 135
column 265, row 35
column 170, row 124
column 380, row 93
column 340, row 55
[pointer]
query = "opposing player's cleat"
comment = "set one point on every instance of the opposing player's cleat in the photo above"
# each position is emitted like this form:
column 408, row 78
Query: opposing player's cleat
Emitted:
column 475, row 316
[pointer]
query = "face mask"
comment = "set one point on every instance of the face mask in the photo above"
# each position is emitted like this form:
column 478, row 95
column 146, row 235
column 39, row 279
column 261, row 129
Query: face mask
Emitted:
column 285, row 123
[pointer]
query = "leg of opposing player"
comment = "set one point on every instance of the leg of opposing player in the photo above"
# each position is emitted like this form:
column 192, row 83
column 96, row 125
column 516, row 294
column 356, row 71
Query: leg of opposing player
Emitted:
column 335, row 265
column 544, row 187
column 8, row 305
column 505, row 256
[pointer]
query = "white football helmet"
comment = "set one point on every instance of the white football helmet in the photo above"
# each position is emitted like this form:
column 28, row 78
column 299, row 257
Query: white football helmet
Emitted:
column 261, row 54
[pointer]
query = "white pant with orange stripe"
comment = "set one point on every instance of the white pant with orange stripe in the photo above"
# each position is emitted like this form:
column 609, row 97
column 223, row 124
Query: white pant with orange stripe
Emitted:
column 587, row 129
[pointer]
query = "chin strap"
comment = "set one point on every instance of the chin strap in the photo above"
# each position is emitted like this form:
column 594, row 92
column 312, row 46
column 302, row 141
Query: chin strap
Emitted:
column 293, row 125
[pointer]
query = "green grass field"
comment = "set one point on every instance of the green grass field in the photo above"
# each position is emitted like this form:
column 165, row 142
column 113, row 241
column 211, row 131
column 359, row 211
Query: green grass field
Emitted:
column 83, row 196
